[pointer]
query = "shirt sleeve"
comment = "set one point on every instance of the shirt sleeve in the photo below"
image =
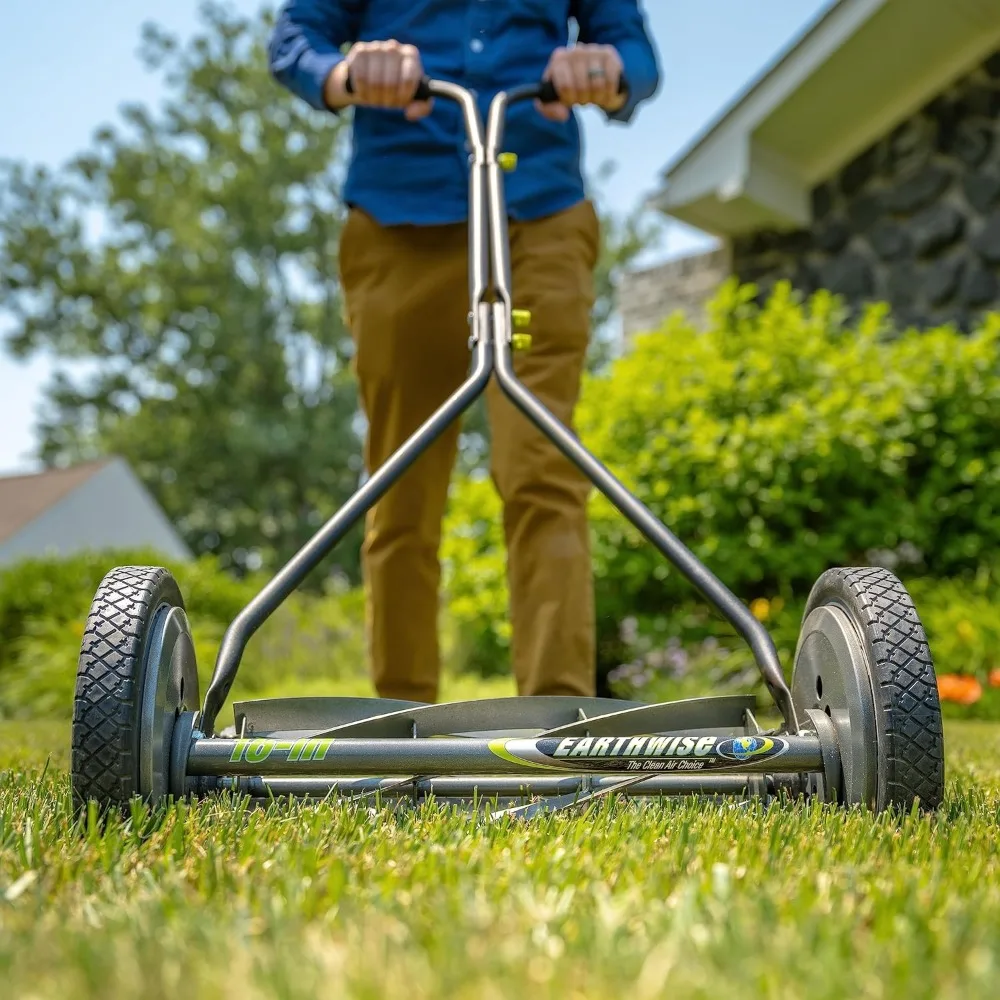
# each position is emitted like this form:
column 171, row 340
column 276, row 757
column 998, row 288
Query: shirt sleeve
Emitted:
column 622, row 24
column 306, row 44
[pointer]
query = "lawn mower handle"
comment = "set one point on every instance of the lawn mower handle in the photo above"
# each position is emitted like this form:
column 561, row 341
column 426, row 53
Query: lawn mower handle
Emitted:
column 545, row 91
column 491, row 317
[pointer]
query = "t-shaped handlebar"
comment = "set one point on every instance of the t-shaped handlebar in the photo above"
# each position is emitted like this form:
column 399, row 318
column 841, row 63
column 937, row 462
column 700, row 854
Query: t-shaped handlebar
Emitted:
column 545, row 91
column 488, row 145
column 492, row 340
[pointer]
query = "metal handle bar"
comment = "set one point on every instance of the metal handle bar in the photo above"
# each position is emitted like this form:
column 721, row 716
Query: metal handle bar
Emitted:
column 489, row 257
column 485, row 149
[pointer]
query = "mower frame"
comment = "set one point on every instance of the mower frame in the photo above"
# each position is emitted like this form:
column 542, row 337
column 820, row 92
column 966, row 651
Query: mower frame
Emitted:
column 491, row 341
column 860, row 723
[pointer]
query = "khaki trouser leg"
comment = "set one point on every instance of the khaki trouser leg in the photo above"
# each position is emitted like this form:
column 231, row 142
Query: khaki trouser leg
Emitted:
column 406, row 296
column 545, row 496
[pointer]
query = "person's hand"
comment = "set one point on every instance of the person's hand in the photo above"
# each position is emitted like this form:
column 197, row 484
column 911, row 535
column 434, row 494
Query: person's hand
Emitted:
column 583, row 74
column 383, row 75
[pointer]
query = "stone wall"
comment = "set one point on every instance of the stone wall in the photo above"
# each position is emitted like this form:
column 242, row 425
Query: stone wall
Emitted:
column 646, row 298
column 914, row 220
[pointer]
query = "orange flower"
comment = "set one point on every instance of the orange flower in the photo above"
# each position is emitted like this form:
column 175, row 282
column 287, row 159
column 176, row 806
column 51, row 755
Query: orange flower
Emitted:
column 995, row 677
column 959, row 688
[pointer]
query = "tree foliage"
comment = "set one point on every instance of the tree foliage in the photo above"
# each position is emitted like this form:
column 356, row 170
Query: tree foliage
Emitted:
column 189, row 261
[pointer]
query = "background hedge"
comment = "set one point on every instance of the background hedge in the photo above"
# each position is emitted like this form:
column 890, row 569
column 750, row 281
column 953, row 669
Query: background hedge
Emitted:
column 780, row 441
column 784, row 439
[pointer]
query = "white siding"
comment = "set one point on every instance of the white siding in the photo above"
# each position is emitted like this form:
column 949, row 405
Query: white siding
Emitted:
column 110, row 510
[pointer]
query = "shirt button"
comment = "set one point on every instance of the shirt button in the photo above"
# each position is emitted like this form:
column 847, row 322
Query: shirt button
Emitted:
column 476, row 45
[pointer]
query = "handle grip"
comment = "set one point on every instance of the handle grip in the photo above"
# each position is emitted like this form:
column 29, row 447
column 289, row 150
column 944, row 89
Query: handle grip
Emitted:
column 422, row 93
column 545, row 91
column 548, row 94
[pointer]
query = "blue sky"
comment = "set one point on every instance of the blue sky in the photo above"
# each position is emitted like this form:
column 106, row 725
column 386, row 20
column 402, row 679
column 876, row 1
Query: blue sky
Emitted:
column 65, row 73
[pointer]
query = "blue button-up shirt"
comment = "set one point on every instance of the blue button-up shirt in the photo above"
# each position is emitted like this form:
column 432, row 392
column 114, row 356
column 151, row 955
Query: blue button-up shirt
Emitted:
column 417, row 172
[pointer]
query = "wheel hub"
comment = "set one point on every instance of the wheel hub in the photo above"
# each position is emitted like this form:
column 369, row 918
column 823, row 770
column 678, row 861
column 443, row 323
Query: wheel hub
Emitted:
column 169, row 687
column 832, row 675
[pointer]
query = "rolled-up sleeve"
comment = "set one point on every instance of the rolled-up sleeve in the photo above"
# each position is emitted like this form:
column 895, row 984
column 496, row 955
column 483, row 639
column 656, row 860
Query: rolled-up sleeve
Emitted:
column 622, row 24
column 306, row 44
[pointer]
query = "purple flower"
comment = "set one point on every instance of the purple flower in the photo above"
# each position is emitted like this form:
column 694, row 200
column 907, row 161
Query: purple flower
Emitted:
column 656, row 659
column 629, row 631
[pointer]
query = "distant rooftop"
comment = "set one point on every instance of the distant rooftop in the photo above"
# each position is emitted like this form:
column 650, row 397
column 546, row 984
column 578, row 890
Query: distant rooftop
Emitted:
column 25, row 497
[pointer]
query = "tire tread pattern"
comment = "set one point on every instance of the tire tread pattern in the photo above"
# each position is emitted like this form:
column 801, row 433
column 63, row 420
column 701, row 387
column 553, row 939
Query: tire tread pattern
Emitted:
column 107, row 702
column 908, row 707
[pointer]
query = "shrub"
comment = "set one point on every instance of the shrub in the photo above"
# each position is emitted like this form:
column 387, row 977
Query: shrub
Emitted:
column 781, row 441
column 962, row 620
column 691, row 652
column 58, row 590
column 784, row 441
column 44, row 605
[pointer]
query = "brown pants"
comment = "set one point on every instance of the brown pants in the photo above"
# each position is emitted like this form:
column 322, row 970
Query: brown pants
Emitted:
column 407, row 301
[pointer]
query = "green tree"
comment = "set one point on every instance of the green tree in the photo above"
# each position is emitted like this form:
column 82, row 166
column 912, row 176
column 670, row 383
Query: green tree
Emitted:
column 189, row 258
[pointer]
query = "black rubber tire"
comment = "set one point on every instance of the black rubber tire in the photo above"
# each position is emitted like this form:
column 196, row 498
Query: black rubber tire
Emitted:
column 907, row 707
column 105, row 750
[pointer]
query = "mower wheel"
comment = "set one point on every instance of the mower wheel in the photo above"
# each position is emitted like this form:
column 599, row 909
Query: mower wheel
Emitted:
column 863, row 660
column 136, row 674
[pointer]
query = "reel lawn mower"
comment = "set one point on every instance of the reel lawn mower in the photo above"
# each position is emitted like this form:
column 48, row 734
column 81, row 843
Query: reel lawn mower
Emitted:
column 860, row 723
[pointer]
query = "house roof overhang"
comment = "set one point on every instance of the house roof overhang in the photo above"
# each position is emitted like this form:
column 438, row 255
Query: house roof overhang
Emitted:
column 862, row 68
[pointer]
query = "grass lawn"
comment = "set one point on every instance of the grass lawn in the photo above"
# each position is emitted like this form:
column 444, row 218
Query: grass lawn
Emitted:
column 669, row 899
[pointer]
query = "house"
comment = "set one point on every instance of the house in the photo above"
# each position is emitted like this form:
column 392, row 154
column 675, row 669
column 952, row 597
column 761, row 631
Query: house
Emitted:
column 864, row 160
column 97, row 505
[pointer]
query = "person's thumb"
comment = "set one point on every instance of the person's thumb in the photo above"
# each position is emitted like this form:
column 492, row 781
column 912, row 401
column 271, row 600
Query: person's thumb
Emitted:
column 418, row 109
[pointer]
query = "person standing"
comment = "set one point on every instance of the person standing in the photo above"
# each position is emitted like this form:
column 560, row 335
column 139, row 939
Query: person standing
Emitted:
column 403, row 267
